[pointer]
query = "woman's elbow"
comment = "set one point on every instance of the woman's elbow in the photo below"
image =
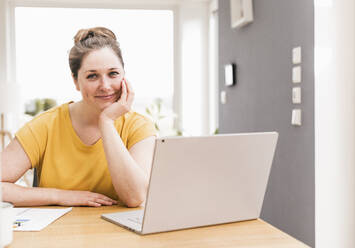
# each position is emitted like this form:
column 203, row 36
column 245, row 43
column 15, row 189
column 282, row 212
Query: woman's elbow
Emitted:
column 135, row 202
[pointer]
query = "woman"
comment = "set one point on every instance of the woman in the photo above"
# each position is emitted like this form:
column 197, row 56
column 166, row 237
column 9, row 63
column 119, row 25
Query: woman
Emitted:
column 89, row 153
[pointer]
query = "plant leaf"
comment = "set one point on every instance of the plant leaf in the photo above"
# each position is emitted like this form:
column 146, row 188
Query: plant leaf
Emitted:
column 148, row 111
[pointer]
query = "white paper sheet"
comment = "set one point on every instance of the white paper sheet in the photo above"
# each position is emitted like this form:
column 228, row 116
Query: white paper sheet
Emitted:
column 35, row 219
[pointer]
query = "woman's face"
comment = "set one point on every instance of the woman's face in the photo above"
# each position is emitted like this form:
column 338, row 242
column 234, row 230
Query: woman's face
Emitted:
column 99, row 78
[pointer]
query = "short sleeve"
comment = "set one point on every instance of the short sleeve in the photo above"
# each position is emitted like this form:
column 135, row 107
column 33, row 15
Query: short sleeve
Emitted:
column 33, row 139
column 139, row 128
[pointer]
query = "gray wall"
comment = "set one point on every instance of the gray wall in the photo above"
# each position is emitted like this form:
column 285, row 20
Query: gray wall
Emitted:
column 261, row 101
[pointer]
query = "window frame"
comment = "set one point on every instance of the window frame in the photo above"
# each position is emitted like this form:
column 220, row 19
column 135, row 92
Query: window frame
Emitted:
column 176, row 6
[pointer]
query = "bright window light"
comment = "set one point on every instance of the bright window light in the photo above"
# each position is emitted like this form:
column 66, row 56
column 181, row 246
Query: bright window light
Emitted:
column 44, row 37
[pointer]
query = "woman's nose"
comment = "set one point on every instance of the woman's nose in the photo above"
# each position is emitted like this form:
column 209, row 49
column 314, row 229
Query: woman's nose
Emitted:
column 105, row 83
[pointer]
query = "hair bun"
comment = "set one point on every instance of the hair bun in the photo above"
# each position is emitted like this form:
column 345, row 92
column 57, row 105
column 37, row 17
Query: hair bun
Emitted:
column 84, row 34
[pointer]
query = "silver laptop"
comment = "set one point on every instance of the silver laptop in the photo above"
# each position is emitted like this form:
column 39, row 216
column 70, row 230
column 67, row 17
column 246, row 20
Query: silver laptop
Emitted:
column 201, row 181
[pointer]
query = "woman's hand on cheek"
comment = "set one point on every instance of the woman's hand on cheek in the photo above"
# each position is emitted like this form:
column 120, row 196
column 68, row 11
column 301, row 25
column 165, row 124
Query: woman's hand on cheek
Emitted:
column 121, row 106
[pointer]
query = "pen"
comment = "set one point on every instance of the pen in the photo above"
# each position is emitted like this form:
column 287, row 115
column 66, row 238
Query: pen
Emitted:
column 18, row 223
column 22, row 220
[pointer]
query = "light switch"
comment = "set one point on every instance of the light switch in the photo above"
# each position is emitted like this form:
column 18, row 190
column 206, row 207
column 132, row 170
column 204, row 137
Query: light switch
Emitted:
column 296, row 55
column 296, row 74
column 223, row 97
column 296, row 117
column 229, row 74
column 296, row 95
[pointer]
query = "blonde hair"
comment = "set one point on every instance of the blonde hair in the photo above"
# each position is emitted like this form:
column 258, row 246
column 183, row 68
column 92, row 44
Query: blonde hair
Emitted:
column 87, row 40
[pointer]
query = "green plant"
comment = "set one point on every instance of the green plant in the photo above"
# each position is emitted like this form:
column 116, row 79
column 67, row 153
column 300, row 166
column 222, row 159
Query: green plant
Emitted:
column 157, row 111
column 154, row 111
column 35, row 106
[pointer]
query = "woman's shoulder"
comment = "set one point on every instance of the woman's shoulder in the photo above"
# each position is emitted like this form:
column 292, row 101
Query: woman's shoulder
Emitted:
column 38, row 129
column 132, row 121
column 53, row 114
column 135, row 115
column 134, row 127
column 133, row 118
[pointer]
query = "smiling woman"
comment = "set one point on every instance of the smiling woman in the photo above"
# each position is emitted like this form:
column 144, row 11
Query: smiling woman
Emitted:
column 92, row 152
column 146, row 37
column 100, row 77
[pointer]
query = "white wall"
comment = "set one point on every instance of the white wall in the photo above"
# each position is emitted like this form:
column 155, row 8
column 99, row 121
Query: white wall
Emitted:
column 213, row 67
column 194, row 68
column 335, row 123
column 2, row 65
column 3, row 50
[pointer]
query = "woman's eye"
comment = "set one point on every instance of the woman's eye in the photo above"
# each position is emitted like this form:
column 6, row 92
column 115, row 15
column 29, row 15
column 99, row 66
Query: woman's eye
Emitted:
column 92, row 76
column 113, row 73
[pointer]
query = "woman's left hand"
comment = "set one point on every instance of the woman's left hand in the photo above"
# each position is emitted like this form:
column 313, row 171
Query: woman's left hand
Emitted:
column 122, row 106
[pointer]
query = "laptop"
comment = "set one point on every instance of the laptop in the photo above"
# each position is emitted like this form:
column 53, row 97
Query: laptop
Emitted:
column 202, row 181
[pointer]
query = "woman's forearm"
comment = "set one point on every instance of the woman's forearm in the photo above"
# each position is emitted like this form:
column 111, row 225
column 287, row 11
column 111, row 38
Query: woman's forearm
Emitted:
column 128, row 178
column 24, row 196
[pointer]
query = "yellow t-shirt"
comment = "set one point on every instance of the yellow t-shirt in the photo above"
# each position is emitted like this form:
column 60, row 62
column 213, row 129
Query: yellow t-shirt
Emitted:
column 63, row 161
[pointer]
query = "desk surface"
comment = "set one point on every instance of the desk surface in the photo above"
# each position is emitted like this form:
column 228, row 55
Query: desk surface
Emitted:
column 83, row 227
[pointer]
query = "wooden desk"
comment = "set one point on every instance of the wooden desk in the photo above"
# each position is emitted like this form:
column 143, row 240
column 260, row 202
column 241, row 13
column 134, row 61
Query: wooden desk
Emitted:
column 83, row 227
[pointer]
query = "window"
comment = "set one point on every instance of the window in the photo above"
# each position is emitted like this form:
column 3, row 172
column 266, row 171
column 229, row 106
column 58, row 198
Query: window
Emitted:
column 44, row 37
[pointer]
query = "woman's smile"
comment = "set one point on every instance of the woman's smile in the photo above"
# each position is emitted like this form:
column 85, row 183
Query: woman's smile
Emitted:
column 106, row 96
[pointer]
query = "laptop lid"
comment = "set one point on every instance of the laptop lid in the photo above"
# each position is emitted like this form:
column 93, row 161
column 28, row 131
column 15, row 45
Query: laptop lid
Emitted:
column 199, row 181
